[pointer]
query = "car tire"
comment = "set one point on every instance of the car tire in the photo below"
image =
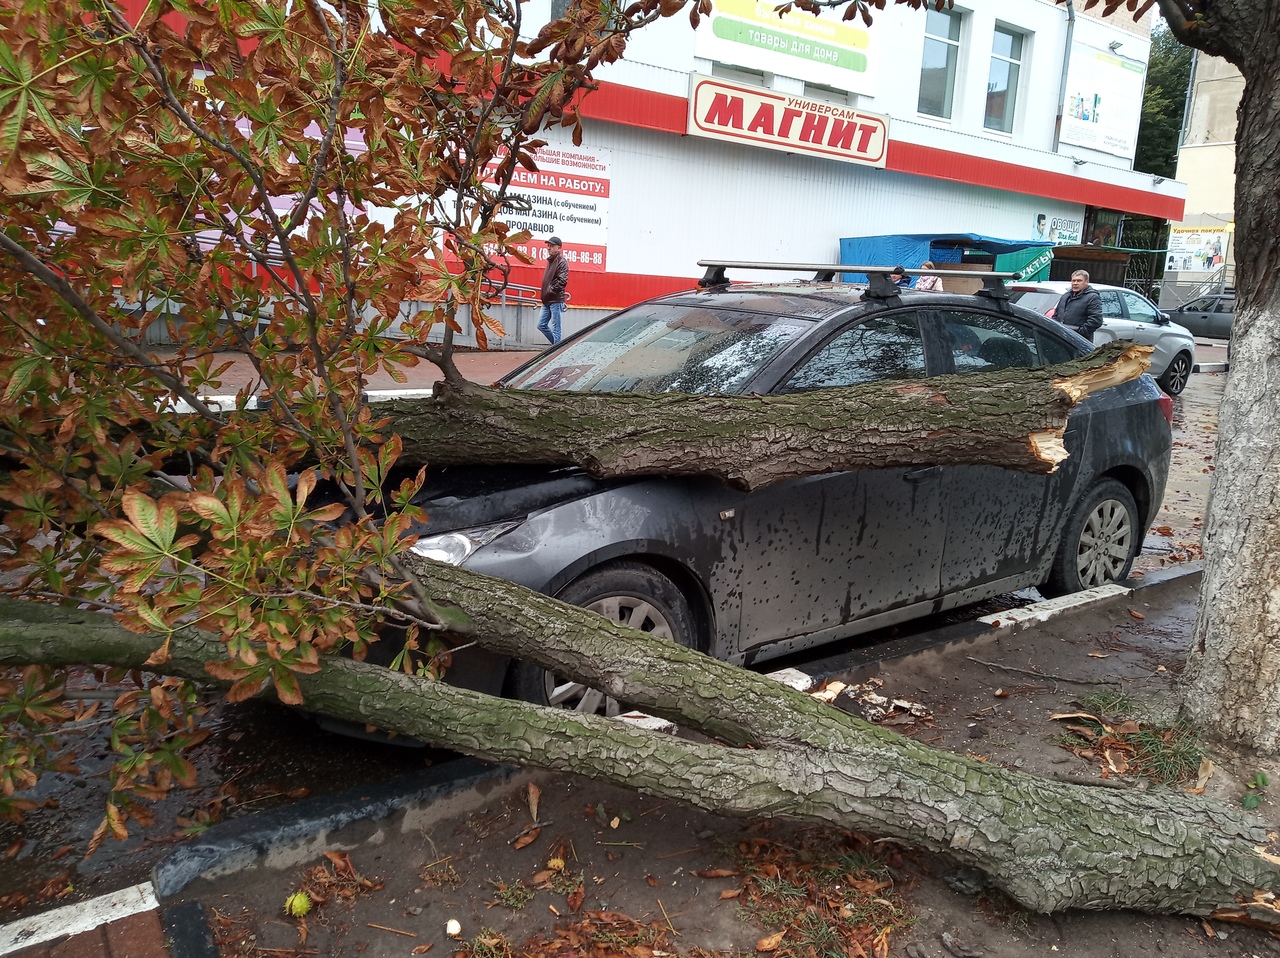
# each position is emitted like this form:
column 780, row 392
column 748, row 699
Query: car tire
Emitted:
column 1099, row 541
column 630, row 593
column 1174, row 379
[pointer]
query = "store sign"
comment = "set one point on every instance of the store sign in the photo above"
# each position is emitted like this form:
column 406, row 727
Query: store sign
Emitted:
column 567, row 196
column 1104, row 102
column 821, row 49
column 1196, row 250
column 778, row 121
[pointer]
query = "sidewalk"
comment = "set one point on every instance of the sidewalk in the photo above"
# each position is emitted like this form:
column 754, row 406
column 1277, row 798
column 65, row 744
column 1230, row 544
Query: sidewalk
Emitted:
column 987, row 688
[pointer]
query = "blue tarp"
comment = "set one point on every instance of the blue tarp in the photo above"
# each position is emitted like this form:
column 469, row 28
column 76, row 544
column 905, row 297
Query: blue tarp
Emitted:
column 912, row 250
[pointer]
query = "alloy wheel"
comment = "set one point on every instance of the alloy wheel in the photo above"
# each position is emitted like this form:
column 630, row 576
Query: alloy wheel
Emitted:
column 1105, row 543
column 631, row 611
column 1177, row 374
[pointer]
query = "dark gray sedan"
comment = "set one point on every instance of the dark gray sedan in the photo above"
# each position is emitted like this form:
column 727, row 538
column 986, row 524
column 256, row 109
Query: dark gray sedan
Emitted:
column 1207, row 316
column 749, row 576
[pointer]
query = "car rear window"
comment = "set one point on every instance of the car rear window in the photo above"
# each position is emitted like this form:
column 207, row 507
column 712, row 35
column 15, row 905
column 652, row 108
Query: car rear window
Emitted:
column 656, row 348
column 1040, row 300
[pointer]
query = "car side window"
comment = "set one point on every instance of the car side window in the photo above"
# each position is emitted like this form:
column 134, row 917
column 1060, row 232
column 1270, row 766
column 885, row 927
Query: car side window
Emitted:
column 881, row 347
column 1053, row 350
column 1111, row 308
column 1202, row 305
column 1140, row 311
column 981, row 342
column 1226, row 305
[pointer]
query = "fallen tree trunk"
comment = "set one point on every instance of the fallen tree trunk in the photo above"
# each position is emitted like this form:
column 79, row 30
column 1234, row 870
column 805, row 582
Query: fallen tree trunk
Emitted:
column 1049, row 845
column 1012, row 418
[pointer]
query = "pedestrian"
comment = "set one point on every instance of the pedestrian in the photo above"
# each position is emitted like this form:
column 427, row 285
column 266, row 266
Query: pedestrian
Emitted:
column 1080, row 307
column 900, row 278
column 554, row 280
column 932, row 284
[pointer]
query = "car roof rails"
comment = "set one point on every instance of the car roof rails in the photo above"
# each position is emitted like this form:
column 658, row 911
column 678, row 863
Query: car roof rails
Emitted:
column 880, row 278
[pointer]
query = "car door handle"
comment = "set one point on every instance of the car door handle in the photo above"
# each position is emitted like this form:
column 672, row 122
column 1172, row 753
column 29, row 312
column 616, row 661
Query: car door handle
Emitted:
column 921, row 474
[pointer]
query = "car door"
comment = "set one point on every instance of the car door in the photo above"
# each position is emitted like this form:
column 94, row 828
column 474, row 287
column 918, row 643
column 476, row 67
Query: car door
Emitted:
column 1000, row 523
column 1197, row 315
column 1219, row 321
column 1149, row 330
column 1115, row 323
column 821, row 552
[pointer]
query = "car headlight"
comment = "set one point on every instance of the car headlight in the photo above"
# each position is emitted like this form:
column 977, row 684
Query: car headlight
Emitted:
column 454, row 547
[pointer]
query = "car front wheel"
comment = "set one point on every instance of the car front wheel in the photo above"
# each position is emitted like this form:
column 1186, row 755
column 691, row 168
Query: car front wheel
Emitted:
column 1099, row 542
column 1176, row 376
column 628, row 593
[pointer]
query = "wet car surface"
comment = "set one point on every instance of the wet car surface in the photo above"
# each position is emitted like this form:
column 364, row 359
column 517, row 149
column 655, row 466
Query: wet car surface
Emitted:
column 751, row 576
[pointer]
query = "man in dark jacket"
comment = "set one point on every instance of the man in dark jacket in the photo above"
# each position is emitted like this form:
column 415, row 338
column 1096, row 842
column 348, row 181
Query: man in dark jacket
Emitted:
column 1080, row 307
column 554, row 281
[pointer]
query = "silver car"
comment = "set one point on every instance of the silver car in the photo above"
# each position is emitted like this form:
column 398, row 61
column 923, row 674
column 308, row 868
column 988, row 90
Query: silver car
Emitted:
column 1126, row 315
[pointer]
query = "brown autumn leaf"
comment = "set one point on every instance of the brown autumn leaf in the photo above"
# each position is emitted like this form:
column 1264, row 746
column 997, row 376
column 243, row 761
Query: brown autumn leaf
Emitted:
column 770, row 943
column 575, row 899
column 1136, row 614
column 717, row 873
column 528, row 838
column 422, row 949
column 651, row 881
column 542, row 877
column 730, row 893
column 535, row 793
column 1128, row 728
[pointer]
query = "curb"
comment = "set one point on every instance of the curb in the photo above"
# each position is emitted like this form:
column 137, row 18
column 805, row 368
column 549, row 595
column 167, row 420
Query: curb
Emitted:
column 1007, row 622
column 298, row 832
column 1210, row 367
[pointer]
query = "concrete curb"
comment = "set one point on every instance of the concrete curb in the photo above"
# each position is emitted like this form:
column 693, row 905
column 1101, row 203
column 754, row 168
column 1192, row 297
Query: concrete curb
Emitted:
column 301, row 831
column 1008, row 622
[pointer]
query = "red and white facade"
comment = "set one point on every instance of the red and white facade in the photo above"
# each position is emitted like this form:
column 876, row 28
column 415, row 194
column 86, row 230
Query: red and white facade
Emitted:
column 756, row 138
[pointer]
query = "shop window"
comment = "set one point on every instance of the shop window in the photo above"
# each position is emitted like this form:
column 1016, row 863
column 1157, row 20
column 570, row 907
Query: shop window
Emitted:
column 1002, row 81
column 938, row 68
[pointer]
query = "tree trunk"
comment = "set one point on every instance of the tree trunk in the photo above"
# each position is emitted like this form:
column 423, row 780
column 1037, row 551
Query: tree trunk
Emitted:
column 1234, row 668
column 1012, row 418
column 1049, row 845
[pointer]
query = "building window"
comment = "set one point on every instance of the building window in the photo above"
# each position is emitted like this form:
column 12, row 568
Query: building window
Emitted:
column 1002, row 83
column 740, row 75
column 938, row 69
column 827, row 94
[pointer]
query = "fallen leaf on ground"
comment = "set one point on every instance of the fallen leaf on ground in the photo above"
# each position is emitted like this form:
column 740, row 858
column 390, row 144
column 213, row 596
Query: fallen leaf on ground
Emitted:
column 534, row 794
column 527, row 838
column 422, row 949
column 730, row 893
column 716, row 873
column 1099, row 655
column 1136, row 614
column 770, row 943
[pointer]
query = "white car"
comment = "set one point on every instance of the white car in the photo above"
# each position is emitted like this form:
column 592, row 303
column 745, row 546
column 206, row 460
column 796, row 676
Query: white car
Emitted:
column 1125, row 315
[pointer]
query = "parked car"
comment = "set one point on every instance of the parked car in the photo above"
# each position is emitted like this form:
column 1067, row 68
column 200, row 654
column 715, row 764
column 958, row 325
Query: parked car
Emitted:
column 1126, row 315
column 749, row 576
column 1208, row 316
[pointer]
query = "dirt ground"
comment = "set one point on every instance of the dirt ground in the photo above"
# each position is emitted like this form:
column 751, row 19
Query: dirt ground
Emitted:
column 610, row 872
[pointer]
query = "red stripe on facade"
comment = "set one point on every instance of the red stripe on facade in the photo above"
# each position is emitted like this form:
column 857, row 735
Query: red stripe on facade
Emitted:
column 663, row 112
column 963, row 168
column 608, row 290
column 629, row 106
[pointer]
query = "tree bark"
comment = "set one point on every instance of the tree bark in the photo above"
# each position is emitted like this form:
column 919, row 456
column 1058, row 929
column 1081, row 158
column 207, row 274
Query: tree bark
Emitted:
column 1234, row 668
column 1049, row 845
column 1012, row 418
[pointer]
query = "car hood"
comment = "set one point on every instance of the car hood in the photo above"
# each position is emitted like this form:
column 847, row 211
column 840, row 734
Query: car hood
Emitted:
column 461, row 497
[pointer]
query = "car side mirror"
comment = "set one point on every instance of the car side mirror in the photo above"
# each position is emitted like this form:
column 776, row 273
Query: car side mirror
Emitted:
column 1165, row 319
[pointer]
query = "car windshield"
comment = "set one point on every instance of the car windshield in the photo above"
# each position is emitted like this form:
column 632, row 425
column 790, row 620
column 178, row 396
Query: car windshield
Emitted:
column 656, row 348
column 1040, row 300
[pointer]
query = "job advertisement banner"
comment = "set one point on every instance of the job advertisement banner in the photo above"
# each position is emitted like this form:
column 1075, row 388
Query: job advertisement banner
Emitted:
column 568, row 197
column 822, row 49
column 1104, row 102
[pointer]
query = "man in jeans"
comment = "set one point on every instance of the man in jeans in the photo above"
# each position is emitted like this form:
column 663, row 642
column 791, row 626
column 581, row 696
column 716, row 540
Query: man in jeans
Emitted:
column 554, row 281
column 1080, row 307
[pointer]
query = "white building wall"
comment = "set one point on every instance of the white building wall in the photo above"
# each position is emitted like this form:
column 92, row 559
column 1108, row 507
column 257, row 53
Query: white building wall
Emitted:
column 660, row 57
column 681, row 200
